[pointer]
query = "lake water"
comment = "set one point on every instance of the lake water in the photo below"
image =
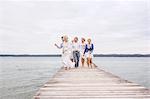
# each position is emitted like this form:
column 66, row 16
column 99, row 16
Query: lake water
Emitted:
column 21, row 77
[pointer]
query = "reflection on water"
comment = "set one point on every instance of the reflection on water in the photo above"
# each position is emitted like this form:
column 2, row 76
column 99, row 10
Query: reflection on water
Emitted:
column 20, row 77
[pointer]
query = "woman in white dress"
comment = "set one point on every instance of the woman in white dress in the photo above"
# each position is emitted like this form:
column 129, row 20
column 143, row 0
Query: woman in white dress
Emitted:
column 66, row 53
column 89, row 52
column 82, row 49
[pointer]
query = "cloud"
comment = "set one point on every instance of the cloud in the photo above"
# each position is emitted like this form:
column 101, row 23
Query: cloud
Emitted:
column 114, row 26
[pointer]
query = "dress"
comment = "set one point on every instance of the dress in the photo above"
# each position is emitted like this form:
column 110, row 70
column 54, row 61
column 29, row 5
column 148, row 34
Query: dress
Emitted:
column 71, row 49
column 66, row 55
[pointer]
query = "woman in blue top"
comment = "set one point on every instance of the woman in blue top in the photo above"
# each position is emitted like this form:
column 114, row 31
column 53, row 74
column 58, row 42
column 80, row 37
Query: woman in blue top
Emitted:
column 89, row 52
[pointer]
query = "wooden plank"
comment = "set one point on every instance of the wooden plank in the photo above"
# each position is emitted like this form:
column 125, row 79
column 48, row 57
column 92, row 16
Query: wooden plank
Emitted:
column 91, row 97
column 90, row 84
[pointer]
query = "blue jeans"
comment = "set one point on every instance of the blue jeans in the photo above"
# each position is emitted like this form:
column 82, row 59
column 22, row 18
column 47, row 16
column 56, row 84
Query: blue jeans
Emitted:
column 76, row 57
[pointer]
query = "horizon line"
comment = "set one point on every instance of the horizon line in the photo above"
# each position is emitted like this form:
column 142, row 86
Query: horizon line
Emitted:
column 59, row 55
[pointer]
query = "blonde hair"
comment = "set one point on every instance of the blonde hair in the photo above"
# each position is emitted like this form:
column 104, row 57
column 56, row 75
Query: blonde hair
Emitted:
column 89, row 40
column 65, row 37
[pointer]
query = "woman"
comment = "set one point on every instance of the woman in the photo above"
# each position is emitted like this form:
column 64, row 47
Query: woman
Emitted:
column 67, row 63
column 82, row 47
column 89, row 52
column 76, row 51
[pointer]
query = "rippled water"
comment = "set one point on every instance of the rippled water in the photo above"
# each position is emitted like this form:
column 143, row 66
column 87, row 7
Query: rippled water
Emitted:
column 21, row 77
column 135, row 69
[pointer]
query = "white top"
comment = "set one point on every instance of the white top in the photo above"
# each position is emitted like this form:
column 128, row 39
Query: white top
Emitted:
column 82, row 47
column 76, row 46
column 66, row 48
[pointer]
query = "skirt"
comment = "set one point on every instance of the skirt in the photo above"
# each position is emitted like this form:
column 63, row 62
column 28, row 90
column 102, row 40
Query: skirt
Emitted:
column 89, row 55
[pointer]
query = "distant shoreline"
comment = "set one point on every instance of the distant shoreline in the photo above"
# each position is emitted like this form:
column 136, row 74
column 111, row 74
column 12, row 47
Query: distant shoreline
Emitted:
column 58, row 55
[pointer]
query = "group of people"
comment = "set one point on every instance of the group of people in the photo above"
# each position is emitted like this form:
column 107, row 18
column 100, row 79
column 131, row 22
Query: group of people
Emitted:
column 74, row 51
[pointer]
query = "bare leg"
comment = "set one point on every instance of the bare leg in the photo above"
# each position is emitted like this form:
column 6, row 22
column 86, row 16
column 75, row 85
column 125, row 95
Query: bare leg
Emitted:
column 91, row 62
column 88, row 62
column 82, row 60
column 65, row 68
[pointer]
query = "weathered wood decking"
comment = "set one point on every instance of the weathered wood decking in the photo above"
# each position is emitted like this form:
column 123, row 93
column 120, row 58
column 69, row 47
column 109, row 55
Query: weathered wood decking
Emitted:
column 85, row 83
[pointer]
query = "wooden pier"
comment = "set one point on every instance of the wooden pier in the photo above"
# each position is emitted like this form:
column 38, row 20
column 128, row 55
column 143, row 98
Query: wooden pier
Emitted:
column 86, row 83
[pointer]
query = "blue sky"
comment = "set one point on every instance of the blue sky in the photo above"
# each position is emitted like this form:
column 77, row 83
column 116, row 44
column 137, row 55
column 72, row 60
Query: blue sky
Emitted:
column 115, row 26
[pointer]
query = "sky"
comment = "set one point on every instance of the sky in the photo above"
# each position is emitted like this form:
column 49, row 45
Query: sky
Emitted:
column 115, row 26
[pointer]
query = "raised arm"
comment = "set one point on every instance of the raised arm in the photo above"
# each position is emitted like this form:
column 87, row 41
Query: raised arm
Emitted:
column 59, row 47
